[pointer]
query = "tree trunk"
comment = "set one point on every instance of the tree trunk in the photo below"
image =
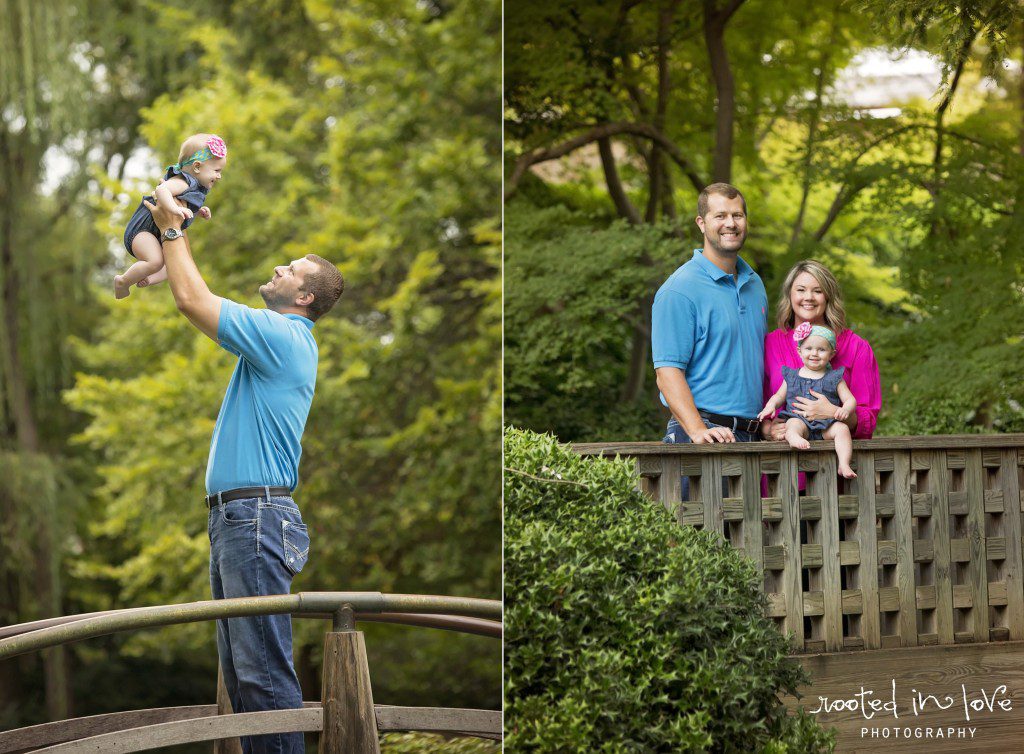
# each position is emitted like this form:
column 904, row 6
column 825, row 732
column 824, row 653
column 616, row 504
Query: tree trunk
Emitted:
column 624, row 207
column 46, row 569
column 725, row 89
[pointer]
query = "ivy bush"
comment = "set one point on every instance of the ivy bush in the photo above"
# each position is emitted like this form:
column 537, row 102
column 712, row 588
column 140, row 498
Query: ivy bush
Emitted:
column 625, row 632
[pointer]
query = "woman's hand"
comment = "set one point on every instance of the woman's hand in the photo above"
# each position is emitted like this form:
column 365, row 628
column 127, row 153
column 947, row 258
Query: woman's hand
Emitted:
column 819, row 408
column 774, row 429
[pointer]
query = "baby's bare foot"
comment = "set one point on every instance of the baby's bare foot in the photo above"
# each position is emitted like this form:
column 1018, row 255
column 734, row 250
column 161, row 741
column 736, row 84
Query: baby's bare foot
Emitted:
column 121, row 289
column 798, row 442
column 846, row 472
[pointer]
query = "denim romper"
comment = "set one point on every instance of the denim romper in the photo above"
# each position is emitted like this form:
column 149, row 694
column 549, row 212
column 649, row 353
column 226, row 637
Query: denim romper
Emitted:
column 194, row 197
column 797, row 387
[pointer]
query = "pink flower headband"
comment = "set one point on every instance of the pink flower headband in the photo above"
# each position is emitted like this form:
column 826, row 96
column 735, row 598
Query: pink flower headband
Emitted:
column 805, row 330
column 215, row 147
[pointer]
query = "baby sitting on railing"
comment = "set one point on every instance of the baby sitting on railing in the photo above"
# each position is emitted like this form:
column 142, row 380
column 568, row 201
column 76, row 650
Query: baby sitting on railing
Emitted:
column 817, row 346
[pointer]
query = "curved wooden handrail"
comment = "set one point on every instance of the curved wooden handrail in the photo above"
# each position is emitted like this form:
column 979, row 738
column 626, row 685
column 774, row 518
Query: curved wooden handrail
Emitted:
column 461, row 624
column 98, row 732
column 318, row 603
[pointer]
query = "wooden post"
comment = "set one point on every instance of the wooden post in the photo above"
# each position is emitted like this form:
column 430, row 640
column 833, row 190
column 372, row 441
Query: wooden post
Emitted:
column 350, row 725
column 224, row 745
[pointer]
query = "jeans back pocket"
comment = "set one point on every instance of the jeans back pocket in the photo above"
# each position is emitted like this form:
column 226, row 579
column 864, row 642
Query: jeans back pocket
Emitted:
column 296, row 545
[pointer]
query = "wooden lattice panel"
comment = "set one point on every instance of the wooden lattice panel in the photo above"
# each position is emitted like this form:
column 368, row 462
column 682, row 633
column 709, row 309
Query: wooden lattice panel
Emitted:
column 924, row 547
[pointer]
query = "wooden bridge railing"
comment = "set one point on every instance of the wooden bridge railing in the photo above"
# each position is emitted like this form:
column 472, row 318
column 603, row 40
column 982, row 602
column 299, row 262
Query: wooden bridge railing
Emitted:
column 346, row 716
column 923, row 547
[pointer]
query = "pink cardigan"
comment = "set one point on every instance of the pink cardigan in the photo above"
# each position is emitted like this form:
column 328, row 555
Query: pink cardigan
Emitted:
column 852, row 352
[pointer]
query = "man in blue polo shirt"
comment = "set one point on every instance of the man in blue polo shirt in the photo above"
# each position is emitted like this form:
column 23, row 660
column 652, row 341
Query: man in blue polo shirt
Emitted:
column 257, row 539
column 708, row 330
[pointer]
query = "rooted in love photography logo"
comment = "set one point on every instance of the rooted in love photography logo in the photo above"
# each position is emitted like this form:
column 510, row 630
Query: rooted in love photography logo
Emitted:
column 870, row 706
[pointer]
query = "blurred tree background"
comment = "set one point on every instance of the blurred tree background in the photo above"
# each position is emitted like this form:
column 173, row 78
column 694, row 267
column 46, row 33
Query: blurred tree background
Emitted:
column 367, row 132
column 884, row 138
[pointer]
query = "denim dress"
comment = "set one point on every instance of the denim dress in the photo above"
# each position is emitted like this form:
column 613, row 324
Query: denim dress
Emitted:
column 194, row 197
column 801, row 387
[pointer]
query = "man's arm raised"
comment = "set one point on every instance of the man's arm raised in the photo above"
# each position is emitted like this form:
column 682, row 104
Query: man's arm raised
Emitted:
column 673, row 385
column 190, row 291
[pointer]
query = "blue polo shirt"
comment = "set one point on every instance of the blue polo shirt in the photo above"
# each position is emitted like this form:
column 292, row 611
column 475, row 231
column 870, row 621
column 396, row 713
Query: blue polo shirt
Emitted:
column 257, row 439
column 712, row 326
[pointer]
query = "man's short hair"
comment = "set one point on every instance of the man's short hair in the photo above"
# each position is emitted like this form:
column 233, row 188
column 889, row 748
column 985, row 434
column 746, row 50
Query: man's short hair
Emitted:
column 326, row 284
column 722, row 189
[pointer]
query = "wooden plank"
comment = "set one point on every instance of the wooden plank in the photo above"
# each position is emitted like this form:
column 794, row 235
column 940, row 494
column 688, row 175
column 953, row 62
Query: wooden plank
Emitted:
column 957, row 501
column 771, row 508
column 960, row 550
column 849, row 553
column 811, row 556
column 923, row 550
column 670, row 490
column 977, row 569
column 711, row 491
column 885, row 504
column 349, row 721
column 925, row 442
column 824, row 485
column 48, row 734
column 773, row 557
column 867, row 574
column 1014, row 569
column 926, row 597
column 814, row 603
column 963, row 597
column 753, row 528
column 732, row 509
column 940, row 671
column 847, row 506
column 921, row 504
column 938, row 481
column 852, row 601
column 887, row 552
column 776, row 605
column 438, row 719
column 792, row 585
column 231, row 745
column 888, row 599
column 691, row 514
column 993, row 501
column 197, row 729
column 904, row 549
column 997, row 595
column 810, row 508
column 995, row 548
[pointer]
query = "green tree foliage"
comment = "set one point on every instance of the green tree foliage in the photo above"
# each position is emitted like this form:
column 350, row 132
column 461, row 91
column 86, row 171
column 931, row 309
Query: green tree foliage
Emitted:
column 625, row 632
column 915, row 212
column 367, row 133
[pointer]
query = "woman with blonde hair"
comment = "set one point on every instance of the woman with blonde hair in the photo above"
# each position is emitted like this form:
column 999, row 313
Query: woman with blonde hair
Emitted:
column 810, row 293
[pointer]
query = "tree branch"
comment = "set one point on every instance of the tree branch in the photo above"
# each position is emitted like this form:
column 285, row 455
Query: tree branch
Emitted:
column 526, row 161
column 622, row 204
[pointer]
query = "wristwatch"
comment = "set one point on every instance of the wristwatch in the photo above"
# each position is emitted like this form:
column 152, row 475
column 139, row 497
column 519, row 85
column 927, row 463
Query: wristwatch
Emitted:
column 172, row 233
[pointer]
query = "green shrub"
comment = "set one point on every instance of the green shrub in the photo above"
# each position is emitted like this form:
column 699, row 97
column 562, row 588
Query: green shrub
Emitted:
column 625, row 632
column 426, row 743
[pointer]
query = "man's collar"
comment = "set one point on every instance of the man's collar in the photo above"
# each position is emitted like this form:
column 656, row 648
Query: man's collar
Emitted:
column 298, row 317
column 716, row 273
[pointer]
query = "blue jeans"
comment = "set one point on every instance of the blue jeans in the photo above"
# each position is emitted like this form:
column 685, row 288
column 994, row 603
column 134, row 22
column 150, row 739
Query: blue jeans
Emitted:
column 256, row 546
column 675, row 434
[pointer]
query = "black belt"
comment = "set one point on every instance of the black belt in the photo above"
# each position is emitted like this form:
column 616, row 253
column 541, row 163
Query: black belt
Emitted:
column 732, row 422
column 241, row 493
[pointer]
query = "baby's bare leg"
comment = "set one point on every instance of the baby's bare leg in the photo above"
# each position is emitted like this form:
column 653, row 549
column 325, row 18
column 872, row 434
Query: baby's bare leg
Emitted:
column 796, row 434
column 155, row 279
column 146, row 248
column 844, row 447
